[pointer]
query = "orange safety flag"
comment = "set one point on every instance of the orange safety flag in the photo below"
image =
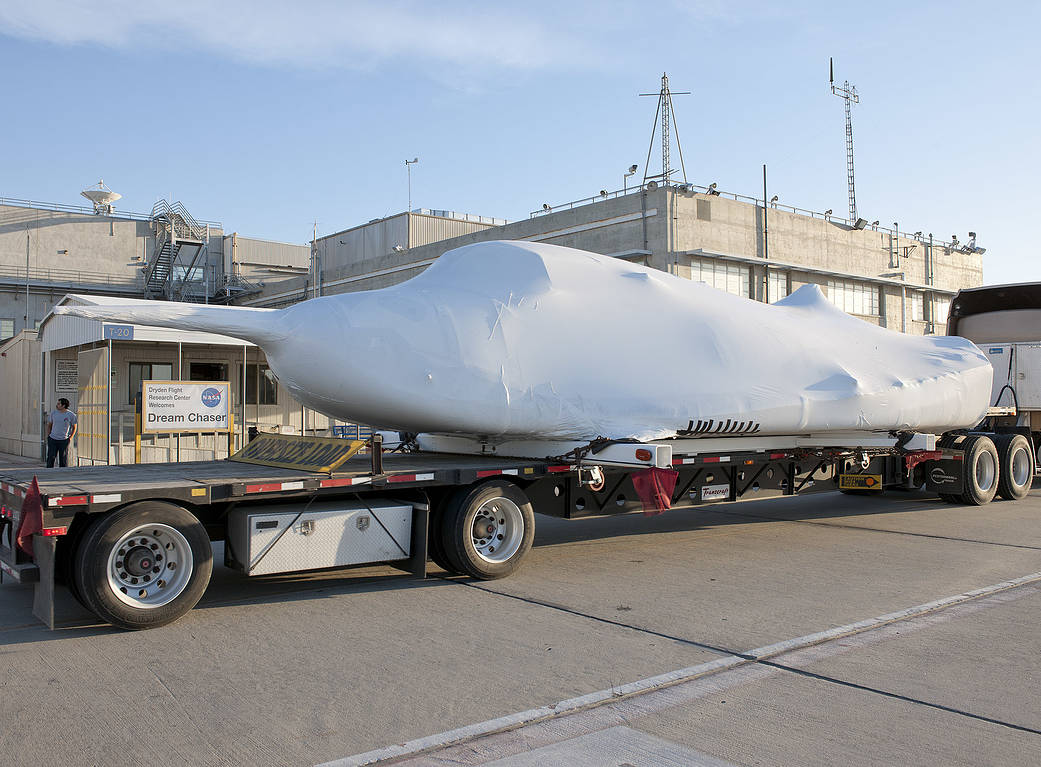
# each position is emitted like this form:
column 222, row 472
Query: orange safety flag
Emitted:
column 32, row 518
column 655, row 486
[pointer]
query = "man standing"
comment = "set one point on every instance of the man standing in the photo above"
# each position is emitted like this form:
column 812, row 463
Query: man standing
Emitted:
column 61, row 428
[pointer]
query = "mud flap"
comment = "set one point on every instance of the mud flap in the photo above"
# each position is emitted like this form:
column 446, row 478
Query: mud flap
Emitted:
column 945, row 476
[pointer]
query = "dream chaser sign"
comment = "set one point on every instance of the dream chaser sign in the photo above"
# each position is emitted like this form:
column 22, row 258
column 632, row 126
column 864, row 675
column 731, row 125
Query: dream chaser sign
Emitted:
column 168, row 406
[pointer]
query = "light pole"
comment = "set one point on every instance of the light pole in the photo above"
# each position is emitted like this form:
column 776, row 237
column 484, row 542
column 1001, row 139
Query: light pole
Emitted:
column 26, row 277
column 408, row 167
column 625, row 177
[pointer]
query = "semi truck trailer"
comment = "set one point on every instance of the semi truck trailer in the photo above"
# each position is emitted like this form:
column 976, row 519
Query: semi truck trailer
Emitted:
column 134, row 543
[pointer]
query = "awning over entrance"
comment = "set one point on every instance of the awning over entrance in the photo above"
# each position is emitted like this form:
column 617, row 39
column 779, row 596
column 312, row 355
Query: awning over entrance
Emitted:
column 64, row 331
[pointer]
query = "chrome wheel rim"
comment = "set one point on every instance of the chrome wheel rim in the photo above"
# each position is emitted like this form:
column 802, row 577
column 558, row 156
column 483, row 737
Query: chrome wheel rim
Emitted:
column 986, row 471
column 497, row 530
column 1022, row 466
column 150, row 566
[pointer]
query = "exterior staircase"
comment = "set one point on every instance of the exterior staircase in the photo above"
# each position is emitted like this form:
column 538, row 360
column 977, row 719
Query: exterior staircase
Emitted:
column 181, row 246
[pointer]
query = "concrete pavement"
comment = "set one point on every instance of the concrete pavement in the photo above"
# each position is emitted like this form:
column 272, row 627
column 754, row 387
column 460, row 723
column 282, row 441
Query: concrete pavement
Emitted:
column 311, row 669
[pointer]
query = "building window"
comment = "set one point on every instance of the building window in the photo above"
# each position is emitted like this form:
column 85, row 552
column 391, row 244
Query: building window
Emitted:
column 6, row 329
column 260, row 390
column 941, row 307
column 854, row 297
column 776, row 285
column 147, row 371
column 724, row 275
column 207, row 371
column 917, row 301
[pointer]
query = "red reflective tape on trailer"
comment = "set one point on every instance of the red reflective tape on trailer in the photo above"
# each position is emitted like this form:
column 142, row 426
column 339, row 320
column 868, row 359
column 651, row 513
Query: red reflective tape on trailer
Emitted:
column 68, row 500
column 558, row 469
column 712, row 459
column 50, row 532
column 489, row 473
column 775, row 456
column 411, row 478
column 344, row 482
column 269, row 488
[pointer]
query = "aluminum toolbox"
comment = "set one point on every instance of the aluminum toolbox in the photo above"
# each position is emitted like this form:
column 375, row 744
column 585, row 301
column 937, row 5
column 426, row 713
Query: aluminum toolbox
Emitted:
column 289, row 537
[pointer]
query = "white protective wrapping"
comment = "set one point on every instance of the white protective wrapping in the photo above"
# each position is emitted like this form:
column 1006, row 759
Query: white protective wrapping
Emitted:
column 518, row 339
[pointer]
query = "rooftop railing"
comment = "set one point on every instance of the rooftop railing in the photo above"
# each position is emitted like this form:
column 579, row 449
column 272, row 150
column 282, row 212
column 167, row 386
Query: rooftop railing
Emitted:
column 88, row 211
column 776, row 205
column 11, row 274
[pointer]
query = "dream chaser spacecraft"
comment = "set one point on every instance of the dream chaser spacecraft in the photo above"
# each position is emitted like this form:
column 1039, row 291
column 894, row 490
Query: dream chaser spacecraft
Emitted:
column 518, row 340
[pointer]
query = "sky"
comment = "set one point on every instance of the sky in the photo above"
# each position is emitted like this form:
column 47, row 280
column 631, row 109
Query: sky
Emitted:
column 271, row 116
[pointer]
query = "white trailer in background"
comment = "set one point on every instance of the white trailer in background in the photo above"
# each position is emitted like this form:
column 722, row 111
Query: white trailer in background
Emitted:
column 1005, row 322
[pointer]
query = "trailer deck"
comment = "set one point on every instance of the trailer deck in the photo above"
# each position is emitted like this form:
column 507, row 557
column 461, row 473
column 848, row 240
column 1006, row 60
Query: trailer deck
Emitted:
column 97, row 488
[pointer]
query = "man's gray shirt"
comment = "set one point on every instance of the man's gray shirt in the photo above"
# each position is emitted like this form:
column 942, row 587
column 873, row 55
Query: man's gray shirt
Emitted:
column 62, row 423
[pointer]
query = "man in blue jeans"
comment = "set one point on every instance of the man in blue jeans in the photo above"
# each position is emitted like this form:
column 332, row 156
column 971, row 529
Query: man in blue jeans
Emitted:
column 61, row 428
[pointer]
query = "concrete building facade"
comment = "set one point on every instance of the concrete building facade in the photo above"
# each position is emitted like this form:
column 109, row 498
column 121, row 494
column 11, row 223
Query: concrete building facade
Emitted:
column 736, row 244
column 48, row 251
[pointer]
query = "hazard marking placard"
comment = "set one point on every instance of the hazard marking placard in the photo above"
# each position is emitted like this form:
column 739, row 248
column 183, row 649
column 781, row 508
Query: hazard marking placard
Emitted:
column 860, row 482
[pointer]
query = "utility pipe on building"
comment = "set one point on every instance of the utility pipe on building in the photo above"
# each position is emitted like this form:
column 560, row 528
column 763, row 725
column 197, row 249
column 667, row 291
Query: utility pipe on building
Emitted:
column 26, row 326
column 766, row 243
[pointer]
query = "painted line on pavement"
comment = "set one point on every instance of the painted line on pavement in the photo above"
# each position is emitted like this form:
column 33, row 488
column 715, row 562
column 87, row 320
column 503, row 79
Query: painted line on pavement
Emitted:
column 669, row 679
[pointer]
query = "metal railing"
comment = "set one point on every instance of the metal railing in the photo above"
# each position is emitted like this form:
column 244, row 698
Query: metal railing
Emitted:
column 179, row 219
column 714, row 192
column 69, row 276
column 16, row 202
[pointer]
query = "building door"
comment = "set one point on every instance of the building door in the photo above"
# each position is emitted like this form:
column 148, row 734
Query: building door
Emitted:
column 92, row 408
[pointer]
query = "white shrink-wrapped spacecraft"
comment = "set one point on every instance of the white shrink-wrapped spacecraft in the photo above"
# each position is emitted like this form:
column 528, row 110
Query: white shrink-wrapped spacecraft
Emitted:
column 517, row 340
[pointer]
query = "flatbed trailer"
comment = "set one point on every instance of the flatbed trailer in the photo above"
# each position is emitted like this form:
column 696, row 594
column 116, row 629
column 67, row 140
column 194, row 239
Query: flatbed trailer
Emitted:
column 132, row 543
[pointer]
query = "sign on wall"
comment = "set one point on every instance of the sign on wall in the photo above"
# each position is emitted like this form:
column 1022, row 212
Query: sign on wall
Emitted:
column 66, row 376
column 170, row 406
column 119, row 332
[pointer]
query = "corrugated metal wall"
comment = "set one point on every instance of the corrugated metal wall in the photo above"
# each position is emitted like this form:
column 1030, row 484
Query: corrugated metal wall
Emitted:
column 428, row 229
column 20, row 404
column 253, row 251
column 378, row 238
column 62, row 331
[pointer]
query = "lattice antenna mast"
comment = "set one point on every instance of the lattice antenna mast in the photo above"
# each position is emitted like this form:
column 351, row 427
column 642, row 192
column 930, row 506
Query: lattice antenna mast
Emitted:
column 668, row 115
column 847, row 93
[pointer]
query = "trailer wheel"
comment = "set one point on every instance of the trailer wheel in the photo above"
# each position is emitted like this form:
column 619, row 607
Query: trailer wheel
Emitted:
column 1016, row 459
column 487, row 529
column 435, row 541
column 981, row 470
column 144, row 565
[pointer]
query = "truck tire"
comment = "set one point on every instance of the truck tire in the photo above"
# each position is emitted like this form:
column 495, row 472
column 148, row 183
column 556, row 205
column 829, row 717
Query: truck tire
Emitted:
column 435, row 541
column 1016, row 466
column 144, row 565
column 981, row 470
column 487, row 529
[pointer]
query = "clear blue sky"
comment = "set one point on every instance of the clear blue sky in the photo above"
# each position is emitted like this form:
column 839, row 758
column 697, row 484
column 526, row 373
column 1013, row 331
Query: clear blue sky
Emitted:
column 269, row 115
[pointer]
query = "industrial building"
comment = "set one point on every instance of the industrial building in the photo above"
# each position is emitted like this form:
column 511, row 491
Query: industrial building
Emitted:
column 762, row 251
column 48, row 251
column 758, row 249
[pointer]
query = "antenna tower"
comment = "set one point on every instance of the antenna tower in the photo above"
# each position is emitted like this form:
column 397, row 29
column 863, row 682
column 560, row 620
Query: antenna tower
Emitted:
column 847, row 93
column 667, row 115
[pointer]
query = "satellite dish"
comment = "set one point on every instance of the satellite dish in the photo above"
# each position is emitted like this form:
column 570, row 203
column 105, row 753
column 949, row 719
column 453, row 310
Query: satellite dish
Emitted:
column 102, row 197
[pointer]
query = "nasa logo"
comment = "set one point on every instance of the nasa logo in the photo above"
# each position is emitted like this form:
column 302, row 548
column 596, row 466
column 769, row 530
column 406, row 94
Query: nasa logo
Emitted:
column 940, row 477
column 211, row 397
